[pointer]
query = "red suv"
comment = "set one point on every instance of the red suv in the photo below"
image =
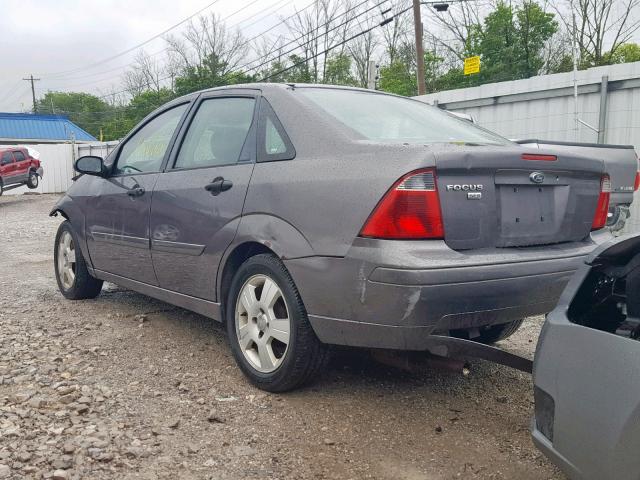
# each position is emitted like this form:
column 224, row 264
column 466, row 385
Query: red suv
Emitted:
column 17, row 168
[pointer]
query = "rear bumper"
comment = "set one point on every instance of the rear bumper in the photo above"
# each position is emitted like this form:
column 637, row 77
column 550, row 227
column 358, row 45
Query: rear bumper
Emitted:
column 354, row 301
column 40, row 172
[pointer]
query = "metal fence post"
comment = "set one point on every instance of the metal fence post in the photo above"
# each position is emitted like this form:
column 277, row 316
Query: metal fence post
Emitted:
column 602, row 117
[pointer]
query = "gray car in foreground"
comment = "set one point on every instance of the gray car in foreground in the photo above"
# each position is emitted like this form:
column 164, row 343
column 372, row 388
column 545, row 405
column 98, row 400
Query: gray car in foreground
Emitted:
column 587, row 369
column 303, row 216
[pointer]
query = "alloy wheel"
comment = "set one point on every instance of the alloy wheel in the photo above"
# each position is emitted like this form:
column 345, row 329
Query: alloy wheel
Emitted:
column 262, row 323
column 66, row 260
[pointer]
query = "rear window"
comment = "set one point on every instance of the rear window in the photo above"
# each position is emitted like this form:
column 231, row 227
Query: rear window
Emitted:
column 386, row 118
column 19, row 156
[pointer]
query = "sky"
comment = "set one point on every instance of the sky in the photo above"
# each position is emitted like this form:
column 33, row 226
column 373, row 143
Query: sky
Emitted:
column 50, row 38
column 46, row 37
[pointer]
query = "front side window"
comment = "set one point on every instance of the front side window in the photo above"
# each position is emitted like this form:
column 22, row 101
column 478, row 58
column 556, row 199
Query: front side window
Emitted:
column 217, row 133
column 391, row 119
column 19, row 156
column 145, row 150
column 7, row 158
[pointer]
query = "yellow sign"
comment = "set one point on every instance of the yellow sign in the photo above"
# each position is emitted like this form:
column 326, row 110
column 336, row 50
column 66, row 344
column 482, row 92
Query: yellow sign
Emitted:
column 471, row 65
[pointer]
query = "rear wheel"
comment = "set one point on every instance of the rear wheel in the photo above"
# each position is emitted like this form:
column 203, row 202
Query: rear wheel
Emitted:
column 72, row 275
column 495, row 333
column 268, row 328
column 33, row 180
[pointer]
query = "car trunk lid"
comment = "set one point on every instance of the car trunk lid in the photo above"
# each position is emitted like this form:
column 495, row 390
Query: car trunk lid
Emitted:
column 495, row 198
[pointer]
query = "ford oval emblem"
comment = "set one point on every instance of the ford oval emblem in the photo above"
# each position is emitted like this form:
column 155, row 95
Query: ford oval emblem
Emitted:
column 537, row 177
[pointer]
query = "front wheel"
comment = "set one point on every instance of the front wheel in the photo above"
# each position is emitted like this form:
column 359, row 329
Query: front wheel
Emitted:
column 268, row 328
column 74, row 280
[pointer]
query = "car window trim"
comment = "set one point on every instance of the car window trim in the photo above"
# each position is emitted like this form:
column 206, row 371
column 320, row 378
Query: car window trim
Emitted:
column 268, row 112
column 139, row 127
column 252, row 132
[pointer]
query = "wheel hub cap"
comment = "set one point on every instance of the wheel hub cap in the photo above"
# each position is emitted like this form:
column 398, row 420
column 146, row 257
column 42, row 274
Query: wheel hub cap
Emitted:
column 262, row 323
column 66, row 260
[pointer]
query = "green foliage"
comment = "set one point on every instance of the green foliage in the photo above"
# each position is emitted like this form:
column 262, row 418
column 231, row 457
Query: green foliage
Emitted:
column 398, row 78
column 127, row 117
column 338, row 71
column 85, row 110
column 511, row 42
column 625, row 53
column 212, row 73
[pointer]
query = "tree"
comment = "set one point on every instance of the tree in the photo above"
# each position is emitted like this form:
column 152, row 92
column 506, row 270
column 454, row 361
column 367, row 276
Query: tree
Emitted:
column 337, row 70
column 85, row 110
column 127, row 117
column 600, row 27
column 625, row 53
column 511, row 41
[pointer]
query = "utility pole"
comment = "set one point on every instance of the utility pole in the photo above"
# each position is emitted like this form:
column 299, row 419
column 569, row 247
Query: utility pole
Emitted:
column 33, row 90
column 417, row 22
column 372, row 73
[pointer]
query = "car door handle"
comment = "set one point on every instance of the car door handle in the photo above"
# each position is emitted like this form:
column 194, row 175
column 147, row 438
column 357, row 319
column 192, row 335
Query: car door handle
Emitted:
column 218, row 186
column 136, row 191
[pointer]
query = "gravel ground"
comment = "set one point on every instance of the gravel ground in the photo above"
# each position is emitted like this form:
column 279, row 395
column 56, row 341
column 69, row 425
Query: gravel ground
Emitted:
column 128, row 387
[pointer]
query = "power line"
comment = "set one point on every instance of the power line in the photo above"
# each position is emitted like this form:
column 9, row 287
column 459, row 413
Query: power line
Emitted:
column 364, row 32
column 90, row 82
column 281, row 54
column 129, row 50
column 240, row 71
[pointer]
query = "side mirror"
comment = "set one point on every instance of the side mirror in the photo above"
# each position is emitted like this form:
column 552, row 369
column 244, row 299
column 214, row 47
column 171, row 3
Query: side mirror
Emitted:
column 90, row 165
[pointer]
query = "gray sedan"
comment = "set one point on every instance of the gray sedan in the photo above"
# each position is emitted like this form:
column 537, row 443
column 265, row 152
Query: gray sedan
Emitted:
column 303, row 216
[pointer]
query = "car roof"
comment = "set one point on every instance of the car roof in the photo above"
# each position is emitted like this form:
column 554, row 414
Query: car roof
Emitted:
column 266, row 87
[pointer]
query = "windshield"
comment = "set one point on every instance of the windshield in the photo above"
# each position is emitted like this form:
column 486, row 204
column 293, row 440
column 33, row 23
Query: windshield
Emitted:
column 386, row 118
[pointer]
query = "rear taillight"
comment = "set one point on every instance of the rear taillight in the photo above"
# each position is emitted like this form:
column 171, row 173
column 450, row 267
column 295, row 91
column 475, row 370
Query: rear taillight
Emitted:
column 409, row 210
column 636, row 184
column 600, row 218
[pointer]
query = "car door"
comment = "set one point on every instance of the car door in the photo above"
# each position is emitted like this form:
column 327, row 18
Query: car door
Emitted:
column 117, row 219
column 22, row 166
column 7, row 168
column 198, row 200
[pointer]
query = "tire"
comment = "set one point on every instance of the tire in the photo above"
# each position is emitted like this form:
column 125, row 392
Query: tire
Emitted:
column 33, row 180
column 1, row 187
column 495, row 333
column 267, row 362
column 81, row 285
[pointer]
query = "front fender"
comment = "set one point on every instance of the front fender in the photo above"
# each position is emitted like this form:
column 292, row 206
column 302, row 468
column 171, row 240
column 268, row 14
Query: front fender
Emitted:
column 71, row 211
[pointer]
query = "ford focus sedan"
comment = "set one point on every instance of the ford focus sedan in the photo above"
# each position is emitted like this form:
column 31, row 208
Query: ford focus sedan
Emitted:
column 303, row 216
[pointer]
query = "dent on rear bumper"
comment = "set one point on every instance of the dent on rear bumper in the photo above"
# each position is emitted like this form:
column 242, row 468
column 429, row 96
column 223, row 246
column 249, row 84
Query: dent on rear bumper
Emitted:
column 356, row 301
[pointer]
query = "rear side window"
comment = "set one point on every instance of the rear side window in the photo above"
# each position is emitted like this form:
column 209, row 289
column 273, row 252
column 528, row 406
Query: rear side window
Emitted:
column 391, row 119
column 273, row 141
column 145, row 150
column 217, row 133
column 6, row 158
column 19, row 156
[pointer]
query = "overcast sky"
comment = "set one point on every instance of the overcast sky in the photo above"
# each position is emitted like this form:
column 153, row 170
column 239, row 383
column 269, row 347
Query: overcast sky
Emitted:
column 45, row 37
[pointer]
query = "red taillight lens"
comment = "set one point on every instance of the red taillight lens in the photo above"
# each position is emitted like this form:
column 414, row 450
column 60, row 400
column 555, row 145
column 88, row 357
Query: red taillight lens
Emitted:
column 636, row 184
column 409, row 210
column 535, row 156
column 600, row 218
